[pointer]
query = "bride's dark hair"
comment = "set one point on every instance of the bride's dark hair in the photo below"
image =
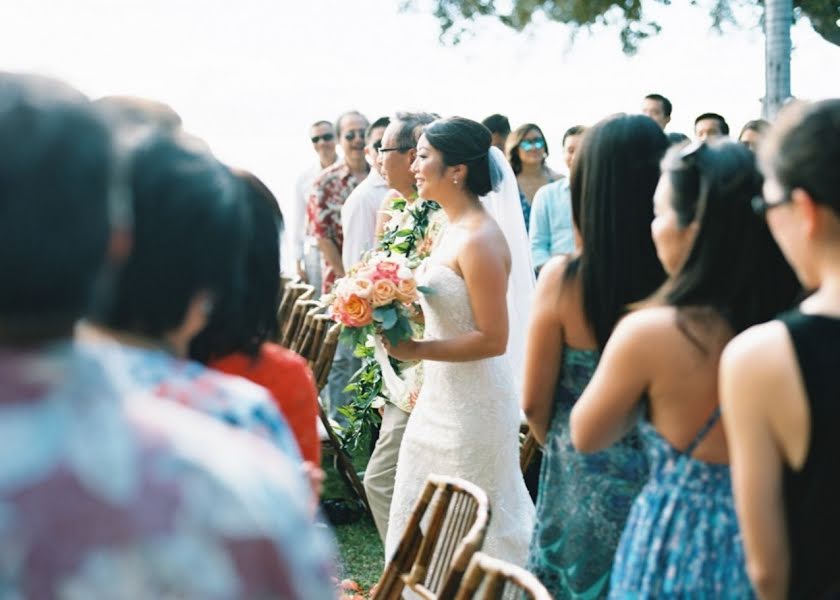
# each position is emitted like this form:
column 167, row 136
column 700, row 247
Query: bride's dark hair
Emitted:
column 464, row 142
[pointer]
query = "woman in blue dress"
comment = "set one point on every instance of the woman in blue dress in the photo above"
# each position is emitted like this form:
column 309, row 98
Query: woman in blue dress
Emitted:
column 726, row 274
column 584, row 500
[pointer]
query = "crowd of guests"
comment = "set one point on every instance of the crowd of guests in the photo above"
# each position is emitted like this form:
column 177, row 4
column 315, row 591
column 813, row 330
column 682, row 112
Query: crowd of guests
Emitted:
column 158, row 440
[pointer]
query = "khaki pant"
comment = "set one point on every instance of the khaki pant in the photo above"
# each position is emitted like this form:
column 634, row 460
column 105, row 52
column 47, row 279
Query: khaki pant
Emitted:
column 382, row 467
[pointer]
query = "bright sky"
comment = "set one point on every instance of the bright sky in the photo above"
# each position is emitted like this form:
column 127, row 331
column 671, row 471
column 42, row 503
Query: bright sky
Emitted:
column 250, row 76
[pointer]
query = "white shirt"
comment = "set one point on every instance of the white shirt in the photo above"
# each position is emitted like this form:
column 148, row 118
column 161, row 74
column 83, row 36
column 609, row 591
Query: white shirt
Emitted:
column 358, row 217
column 296, row 228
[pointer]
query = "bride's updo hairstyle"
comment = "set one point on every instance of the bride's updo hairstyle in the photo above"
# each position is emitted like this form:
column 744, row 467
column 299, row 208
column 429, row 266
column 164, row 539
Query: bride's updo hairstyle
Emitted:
column 464, row 142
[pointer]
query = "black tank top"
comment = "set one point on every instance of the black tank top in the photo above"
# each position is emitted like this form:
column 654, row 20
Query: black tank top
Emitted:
column 812, row 494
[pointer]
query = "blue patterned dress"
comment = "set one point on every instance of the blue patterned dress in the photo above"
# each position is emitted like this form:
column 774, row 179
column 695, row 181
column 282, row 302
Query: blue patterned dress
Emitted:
column 584, row 499
column 682, row 538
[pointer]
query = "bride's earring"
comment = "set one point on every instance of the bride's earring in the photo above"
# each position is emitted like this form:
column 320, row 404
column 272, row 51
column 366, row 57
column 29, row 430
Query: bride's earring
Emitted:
column 455, row 181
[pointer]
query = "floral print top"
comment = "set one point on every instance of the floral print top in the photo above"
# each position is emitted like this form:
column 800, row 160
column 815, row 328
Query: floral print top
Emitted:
column 228, row 398
column 323, row 211
column 107, row 495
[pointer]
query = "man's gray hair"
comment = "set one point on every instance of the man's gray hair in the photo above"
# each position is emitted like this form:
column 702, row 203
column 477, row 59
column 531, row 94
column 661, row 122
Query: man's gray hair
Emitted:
column 411, row 127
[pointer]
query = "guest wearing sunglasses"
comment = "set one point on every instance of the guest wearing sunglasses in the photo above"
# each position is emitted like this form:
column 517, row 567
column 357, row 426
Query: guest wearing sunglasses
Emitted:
column 329, row 193
column 305, row 248
column 526, row 152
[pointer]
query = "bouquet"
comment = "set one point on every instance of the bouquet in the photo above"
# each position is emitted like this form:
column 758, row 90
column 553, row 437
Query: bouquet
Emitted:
column 377, row 296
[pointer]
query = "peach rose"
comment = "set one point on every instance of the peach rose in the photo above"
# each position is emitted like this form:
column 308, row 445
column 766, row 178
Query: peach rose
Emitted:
column 353, row 311
column 384, row 291
column 406, row 290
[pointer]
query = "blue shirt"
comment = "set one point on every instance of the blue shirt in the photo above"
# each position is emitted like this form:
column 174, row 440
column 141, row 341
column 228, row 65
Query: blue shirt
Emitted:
column 551, row 230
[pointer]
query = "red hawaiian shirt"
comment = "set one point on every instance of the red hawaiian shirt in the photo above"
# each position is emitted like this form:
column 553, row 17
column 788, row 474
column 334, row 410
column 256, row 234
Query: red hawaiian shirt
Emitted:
column 323, row 211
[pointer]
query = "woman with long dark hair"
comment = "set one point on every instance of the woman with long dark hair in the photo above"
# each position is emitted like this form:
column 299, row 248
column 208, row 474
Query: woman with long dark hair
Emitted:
column 726, row 274
column 584, row 500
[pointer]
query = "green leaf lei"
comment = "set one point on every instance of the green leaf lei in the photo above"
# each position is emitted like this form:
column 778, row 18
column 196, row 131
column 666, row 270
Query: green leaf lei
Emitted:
column 366, row 384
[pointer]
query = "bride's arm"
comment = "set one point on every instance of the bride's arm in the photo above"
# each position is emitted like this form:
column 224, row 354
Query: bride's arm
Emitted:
column 484, row 263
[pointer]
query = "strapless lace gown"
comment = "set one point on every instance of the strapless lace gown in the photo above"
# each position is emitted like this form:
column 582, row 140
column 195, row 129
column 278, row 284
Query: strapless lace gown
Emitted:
column 465, row 424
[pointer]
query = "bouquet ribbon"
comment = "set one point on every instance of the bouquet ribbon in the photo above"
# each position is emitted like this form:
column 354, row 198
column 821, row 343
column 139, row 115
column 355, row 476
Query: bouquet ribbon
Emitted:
column 393, row 383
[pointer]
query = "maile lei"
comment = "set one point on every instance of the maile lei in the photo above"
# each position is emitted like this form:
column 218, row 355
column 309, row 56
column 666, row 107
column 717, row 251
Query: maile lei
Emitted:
column 406, row 234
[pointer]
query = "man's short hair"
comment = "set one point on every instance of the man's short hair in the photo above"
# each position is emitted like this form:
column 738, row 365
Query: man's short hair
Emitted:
column 319, row 123
column 573, row 130
column 724, row 126
column 56, row 181
column 380, row 122
column 411, row 127
column 349, row 113
column 497, row 123
column 666, row 104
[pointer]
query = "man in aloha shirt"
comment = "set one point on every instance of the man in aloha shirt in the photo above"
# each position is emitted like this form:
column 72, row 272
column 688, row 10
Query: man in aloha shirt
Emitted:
column 396, row 154
column 329, row 191
column 105, row 494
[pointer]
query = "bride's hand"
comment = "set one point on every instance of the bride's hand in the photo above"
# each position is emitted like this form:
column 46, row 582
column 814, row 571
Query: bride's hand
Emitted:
column 405, row 350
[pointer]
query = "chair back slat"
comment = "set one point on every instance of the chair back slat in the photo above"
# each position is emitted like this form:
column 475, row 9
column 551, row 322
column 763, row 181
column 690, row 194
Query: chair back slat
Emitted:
column 323, row 364
column 292, row 292
column 300, row 337
column 437, row 544
column 293, row 323
column 489, row 578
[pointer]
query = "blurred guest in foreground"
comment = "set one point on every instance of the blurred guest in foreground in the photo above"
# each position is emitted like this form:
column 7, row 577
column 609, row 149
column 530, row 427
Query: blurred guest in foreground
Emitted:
column 239, row 337
column 104, row 493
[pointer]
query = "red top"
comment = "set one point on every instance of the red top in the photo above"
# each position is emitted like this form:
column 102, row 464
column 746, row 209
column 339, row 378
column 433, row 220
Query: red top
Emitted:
column 288, row 377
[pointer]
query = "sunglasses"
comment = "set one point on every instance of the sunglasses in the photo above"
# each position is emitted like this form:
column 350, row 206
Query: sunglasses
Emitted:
column 761, row 207
column 356, row 133
column 327, row 137
column 536, row 143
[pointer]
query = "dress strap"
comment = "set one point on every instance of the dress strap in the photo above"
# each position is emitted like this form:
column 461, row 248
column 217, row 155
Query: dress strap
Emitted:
column 704, row 431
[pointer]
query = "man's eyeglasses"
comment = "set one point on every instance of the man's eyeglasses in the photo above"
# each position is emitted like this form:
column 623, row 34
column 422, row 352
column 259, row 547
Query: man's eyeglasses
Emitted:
column 394, row 149
column 356, row 133
column 327, row 137
column 760, row 206
column 536, row 143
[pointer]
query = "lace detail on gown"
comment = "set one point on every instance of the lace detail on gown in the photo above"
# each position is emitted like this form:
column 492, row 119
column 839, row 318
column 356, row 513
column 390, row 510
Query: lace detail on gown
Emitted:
column 465, row 424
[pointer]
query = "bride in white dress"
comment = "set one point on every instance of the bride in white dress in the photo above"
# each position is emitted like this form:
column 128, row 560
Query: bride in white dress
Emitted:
column 466, row 420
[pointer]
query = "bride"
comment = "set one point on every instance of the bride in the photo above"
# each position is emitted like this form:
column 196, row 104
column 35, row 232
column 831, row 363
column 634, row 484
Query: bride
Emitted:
column 466, row 419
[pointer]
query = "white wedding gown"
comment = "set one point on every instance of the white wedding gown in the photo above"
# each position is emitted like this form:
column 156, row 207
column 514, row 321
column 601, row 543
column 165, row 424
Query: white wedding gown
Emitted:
column 466, row 420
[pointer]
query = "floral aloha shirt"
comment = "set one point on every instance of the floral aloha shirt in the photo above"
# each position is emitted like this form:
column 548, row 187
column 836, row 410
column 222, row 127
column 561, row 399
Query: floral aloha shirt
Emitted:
column 323, row 212
column 107, row 495
column 228, row 398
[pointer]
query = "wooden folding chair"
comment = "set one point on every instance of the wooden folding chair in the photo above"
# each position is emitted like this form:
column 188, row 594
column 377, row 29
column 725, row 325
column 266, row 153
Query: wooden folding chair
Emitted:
column 291, row 294
column 489, row 578
column 291, row 332
column 434, row 553
column 324, row 359
column 311, row 337
column 330, row 443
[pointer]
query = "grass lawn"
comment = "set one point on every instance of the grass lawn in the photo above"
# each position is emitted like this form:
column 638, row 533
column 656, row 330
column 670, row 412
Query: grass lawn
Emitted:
column 360, row 549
